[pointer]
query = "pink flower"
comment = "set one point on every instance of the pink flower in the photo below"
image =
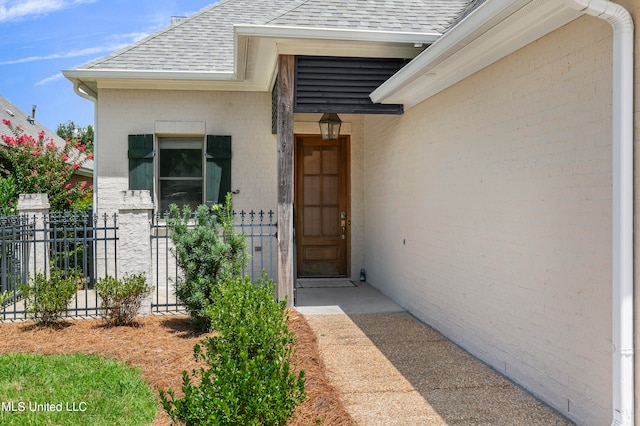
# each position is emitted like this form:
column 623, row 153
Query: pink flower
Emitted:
column 90, row 157
column 41, row 134
column 83, row 184
column 76, row 166
column 35, row 153
column 35, row 185
column 65, row 158
column 68, row 201
column 53, row 182
column 6, row 122
column 80, row 148
column 68, row 186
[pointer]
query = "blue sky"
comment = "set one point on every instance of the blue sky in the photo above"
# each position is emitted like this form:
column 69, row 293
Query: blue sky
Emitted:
column 39, row 38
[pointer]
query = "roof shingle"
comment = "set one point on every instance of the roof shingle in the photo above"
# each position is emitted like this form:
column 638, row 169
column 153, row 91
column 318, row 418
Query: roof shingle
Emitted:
column 204, row 42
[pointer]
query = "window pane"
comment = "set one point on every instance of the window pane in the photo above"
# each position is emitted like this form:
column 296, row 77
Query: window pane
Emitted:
column 311, row 155
column 330, row 160
column 180, row 192
column 180, row 162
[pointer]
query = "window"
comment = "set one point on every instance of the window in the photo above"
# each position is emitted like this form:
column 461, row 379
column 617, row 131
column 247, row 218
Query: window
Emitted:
column 180, row 172
column 189, row 171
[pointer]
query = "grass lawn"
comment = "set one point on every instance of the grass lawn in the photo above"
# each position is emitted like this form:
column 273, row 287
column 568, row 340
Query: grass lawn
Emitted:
column 72, row 389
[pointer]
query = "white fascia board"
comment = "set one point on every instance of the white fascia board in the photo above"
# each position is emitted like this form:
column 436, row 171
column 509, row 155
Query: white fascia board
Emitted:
column 91, row 79
column 493, row 31
column 113, row 74
column 285, row 32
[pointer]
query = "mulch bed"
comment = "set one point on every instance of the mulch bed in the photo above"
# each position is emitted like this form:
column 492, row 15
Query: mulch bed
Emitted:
column 162, row 347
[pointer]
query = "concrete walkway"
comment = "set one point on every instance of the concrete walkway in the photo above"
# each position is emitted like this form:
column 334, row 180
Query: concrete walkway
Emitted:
column 391, row 369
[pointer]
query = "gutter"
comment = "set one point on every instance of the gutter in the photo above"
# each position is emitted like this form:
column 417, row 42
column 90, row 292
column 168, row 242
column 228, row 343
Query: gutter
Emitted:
column 622, row 310
column 485, row 17
column 93, row 97
column 147, row 75
column 310, row 33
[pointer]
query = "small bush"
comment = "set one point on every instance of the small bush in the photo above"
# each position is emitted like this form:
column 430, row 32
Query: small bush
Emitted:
column 121, row 299
column 47, row 299
column 249, row 381
column 207, row 250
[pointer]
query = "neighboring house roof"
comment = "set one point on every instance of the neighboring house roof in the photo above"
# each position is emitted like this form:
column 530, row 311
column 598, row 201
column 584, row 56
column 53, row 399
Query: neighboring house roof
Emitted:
column 205, row 41
column 32, row 127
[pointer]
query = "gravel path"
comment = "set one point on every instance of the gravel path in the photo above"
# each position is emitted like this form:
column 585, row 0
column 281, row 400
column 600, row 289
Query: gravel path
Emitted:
column 391, row 369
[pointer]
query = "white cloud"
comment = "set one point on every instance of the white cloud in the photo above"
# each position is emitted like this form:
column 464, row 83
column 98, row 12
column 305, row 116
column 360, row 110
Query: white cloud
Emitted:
column 51, row 79
column 113, row 42
column 64, row 55
column 19, row 11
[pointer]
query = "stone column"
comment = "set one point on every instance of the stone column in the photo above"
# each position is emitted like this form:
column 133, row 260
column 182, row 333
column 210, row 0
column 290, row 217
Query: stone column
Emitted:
column 34, row 249
column 134, row 248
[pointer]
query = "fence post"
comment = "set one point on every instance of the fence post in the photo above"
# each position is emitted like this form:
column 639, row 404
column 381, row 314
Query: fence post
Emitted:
column 134, row 248
column 34, row 250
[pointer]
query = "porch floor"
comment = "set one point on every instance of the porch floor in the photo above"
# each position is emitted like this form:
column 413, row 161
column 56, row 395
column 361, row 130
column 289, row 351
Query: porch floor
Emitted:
column 391, row 369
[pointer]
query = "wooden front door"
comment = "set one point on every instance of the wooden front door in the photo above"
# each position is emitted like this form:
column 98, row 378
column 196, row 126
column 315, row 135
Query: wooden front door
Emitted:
column 322, row 206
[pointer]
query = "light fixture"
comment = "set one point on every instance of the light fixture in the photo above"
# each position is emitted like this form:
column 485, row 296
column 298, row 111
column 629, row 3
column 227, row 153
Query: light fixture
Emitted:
column 330, row 126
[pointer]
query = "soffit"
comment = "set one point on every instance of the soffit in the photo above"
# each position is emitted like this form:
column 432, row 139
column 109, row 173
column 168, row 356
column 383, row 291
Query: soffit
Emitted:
column 482, row 38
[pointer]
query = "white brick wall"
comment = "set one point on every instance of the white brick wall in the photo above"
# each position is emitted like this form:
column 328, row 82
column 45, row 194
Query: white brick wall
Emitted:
column 244, row 116
column 489, row 216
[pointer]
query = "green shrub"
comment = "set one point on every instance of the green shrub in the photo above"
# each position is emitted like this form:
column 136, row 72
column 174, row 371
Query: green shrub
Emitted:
column 7, row 196
column 207, row 250
column 122, row 298
column 46, row 299
column 249, row 380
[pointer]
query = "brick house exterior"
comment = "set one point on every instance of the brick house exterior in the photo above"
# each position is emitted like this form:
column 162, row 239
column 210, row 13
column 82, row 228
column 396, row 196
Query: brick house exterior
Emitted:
column 485, row 207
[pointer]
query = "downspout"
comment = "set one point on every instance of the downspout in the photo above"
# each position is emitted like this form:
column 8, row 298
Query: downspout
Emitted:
column 622, row 309
column 93, row 98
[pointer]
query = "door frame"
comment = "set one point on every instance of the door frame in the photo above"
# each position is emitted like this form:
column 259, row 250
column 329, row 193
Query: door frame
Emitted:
column 345, row 145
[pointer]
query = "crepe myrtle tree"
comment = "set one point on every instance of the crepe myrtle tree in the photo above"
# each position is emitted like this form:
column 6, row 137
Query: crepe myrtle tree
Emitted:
column 29, row 165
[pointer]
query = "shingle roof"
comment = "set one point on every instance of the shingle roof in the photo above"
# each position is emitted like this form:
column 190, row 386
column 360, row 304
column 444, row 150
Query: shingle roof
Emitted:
column 19, row 118
column 204, row 42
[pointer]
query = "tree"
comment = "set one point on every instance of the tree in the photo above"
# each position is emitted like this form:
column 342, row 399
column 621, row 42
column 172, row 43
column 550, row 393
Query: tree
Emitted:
column 71, row 132
column 29, row 165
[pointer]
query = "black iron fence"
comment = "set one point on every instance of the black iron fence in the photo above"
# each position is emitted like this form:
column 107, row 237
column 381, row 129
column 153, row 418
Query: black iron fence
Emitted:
column 86, row 245
column 78, row 243
column 260, row 231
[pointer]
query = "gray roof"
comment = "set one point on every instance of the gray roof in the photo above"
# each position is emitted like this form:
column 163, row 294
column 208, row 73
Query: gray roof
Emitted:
column 19, row 118
column 204, row 41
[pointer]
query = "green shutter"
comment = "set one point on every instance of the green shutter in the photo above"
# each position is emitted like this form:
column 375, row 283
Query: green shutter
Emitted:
column 218, row 172
column 141, row 155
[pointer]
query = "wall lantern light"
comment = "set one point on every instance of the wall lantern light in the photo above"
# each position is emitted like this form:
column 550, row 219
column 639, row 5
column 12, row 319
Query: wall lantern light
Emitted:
column 330, row 126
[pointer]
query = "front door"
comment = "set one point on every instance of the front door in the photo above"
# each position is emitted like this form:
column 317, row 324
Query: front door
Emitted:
column 322, row 206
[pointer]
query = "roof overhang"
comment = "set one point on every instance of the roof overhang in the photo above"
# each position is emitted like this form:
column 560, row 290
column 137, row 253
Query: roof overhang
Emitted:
column 255, row 59
column 494, row 30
